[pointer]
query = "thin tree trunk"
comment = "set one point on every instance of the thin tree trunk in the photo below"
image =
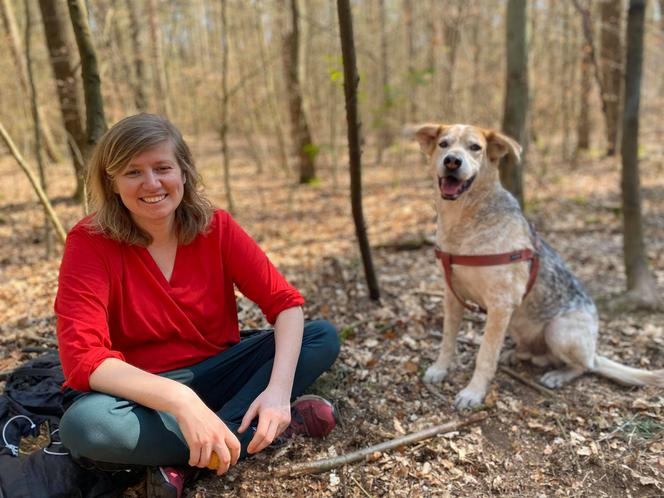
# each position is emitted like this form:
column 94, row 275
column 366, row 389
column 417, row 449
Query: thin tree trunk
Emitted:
column 351, row 81
column 34, row 99
column 9, row 20
column 583, row 121
column 384, row 135
column 611, row 67
column 516, row 97
column 305, row 149
column 223, row 132
column 268, row 83
column 641, row 284
column 94, row 103
column 56, row 25
column 408, row 14
column 159, row 70
column 140, row 81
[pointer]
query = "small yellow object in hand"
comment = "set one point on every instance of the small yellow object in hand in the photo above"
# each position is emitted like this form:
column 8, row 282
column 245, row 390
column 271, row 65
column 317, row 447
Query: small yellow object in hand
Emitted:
column 214, row 461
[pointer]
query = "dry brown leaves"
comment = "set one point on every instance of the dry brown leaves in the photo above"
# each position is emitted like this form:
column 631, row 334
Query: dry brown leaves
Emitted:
column 593, row 439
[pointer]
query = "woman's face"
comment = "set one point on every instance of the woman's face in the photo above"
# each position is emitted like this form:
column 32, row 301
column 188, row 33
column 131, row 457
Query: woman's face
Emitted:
column 151, row 186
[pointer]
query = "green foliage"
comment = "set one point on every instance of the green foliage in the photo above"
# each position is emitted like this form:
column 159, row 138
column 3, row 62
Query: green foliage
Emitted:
column 311, row 150
column 346, row 333
column 641, row 428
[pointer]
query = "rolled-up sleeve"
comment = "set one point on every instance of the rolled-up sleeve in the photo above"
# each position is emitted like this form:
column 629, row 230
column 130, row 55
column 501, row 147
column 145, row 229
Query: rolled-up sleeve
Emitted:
column 253, row 273
column 81, row 308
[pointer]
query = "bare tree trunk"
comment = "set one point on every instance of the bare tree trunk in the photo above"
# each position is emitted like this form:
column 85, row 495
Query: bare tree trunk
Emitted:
column 94, row 103
column 15, row 47
column 139, row 81
column 451, row 38
column 408, row 14
column 223, row 132
column 159, row 70
column 351, row 81
column 611, row 66
column 268, row 83
column 384, row 135
column 301, row 135
column 641, row 284
column 34, row 99
column 56, row 24
column 583, row 121
column 516, row 97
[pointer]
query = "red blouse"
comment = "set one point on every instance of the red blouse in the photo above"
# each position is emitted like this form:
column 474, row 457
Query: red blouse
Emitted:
column 113, row 301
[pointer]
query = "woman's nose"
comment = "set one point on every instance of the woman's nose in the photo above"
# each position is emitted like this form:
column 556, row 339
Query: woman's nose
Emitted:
column 150, row 179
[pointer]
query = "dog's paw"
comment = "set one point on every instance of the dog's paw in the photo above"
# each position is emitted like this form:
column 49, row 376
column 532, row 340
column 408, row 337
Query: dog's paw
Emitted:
column 509, row 357
column 468, row 398
column 434, row 374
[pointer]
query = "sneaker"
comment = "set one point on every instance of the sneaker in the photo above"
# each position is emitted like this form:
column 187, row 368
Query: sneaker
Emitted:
column 168, row 482
column 311, row 416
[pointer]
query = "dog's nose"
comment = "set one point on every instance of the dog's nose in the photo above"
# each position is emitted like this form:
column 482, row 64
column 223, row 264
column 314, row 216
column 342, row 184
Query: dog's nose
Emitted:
column 452, row 162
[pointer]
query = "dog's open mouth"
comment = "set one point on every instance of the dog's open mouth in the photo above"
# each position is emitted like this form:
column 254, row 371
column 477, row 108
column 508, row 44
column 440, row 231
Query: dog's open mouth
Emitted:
column 451, row 187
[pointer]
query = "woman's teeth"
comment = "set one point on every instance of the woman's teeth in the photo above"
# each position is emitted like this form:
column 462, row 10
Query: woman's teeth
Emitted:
column 154, row 199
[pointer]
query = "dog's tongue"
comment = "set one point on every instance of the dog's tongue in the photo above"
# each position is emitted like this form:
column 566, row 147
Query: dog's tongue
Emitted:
column 450, row 186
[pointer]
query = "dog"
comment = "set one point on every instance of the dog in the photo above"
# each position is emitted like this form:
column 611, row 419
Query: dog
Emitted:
column 524, row 285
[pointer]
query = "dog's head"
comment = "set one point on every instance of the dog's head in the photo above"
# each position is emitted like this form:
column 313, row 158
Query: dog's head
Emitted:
column 460, row 154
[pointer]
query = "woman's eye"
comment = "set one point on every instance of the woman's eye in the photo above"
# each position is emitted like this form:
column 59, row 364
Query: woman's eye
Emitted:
column 475, row 147
column 131, row 172
column 443, row 144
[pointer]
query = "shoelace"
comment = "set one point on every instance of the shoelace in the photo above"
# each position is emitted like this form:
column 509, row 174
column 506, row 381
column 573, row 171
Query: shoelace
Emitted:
column 55, row 443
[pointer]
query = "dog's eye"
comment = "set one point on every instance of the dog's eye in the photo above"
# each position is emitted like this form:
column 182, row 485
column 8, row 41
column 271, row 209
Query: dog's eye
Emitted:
column 443, row 144
column 475, row 147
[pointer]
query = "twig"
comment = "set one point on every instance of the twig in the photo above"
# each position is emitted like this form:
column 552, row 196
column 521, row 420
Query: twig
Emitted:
column 361, row 488
column 433, row 391
column 540, row 389
column 331, row 463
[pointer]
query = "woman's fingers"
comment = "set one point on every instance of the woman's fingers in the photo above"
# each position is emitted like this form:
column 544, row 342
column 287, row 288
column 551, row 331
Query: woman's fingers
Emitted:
column 224, row 456
column 248, row 417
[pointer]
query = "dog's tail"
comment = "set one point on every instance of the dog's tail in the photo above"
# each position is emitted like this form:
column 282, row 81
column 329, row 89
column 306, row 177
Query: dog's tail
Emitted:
column 627, row 375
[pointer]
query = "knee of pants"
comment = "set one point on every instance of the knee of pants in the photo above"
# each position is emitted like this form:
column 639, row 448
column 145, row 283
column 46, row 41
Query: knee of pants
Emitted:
column 89, row 429
column 325, row 340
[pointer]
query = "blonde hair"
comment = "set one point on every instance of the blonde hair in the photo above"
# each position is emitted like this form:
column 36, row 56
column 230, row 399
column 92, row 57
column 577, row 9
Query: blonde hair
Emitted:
column 116, row 148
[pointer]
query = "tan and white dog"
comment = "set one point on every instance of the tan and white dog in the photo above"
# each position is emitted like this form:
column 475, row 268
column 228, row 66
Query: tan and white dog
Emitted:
column 556, row 321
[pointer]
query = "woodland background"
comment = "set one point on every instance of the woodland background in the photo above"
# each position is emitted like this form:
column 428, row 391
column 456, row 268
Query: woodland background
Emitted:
column 235, row 75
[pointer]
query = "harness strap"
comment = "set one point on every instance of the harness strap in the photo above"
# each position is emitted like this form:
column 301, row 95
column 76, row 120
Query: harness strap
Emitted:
column 506, row 258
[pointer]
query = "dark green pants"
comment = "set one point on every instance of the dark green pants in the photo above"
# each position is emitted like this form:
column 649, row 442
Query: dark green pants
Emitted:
column 109, row 429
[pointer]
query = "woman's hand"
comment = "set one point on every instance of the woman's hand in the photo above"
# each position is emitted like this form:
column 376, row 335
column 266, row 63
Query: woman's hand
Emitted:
column 205, row 433
column 272, row 407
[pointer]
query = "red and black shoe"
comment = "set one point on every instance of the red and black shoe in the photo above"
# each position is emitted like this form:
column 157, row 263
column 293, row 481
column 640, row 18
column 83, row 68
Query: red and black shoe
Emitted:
column 169, row 482
column 311, row 416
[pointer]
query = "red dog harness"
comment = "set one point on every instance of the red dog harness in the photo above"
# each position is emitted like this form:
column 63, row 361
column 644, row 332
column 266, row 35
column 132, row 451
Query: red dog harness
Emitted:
column 505, row 258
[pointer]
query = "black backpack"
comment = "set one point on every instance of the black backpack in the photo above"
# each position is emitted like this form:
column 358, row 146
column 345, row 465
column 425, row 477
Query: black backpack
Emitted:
column 33, row 396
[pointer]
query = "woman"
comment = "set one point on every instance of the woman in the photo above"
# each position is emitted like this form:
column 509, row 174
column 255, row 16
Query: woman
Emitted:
column 147, row 321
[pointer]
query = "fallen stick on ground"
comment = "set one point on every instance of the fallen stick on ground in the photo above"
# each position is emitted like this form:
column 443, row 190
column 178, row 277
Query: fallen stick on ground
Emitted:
column 540, row 389
column 331, row 463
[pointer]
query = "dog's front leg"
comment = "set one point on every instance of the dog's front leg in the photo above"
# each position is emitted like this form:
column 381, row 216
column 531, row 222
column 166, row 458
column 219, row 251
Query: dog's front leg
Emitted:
column 487, row 359
column 451, row 322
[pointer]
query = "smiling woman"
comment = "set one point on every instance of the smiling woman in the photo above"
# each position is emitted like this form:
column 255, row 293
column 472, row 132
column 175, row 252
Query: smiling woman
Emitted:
column 147, row 318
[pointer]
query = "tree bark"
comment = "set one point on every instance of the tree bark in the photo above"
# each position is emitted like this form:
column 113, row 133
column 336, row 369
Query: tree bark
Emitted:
column 36, row 118
column 305, row 149
column 583, row 121
column 611, row 50
column 351, row 81
column 223, row 131
column 139, row 81
column 56, row 24
column 516, row 95
column 641, row 284
column 94, row 103
column 159, row 70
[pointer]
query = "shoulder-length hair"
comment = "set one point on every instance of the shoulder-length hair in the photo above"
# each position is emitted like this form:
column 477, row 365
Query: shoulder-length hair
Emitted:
column 116, row 148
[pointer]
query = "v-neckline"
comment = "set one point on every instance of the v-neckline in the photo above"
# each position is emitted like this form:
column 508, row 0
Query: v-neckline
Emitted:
column 166, row 282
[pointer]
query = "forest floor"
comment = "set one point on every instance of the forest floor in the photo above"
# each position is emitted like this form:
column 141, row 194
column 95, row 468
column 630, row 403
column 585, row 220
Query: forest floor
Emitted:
column 591, row 438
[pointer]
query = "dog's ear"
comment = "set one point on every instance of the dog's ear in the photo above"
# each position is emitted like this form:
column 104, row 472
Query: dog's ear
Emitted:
column 500, row 145
column 426, row 135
